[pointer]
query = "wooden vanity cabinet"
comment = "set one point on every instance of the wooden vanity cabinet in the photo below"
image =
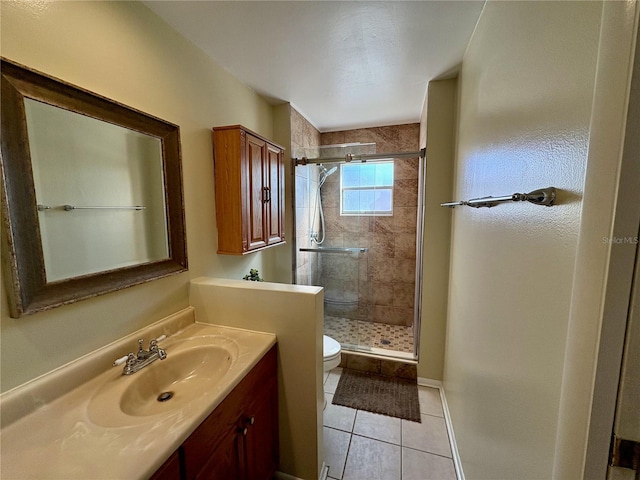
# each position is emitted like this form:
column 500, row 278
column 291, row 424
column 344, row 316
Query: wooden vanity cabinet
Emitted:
column 249, row 182
column 239, row 440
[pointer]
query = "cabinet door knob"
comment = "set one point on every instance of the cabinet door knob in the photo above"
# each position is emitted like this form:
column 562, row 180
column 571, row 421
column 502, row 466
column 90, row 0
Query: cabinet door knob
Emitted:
column 250, row 420
column 243, row 431
column 266, row 194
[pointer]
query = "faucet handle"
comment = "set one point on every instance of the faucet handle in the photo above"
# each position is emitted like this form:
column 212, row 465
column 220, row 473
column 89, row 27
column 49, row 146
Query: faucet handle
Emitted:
column 120, row 361
column 153, row 344
column 130, row 358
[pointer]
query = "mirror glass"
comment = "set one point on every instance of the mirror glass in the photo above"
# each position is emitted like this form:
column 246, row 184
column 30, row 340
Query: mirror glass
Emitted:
column 91, row 191
column 99, row 192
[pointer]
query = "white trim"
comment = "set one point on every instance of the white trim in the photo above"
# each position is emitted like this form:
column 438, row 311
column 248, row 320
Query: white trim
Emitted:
column 455, row 456
column 286, row 476
column 380, row 354
column 429, row 382
column 324, row 472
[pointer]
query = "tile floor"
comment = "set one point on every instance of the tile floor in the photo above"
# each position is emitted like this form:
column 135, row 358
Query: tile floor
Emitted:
column 359, row 445
column 366, row 335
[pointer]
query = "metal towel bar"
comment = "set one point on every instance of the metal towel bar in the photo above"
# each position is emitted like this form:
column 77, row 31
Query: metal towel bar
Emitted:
column 543, row 196
column 335, row 250
column 68, row 208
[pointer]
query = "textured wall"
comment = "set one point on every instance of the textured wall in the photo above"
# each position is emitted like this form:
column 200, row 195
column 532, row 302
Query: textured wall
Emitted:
column 526, row 90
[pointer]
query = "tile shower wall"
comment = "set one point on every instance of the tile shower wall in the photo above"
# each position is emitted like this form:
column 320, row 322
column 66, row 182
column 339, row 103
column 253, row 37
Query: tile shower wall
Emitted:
column 377, row 286
column 305, row 140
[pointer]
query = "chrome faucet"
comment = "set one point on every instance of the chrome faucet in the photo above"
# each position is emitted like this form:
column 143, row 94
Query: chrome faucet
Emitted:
column 134, row 362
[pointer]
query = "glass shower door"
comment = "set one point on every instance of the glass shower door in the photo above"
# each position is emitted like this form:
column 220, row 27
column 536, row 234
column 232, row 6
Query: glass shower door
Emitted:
column 356, row 231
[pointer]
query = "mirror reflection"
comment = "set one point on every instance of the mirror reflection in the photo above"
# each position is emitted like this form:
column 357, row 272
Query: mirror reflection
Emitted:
column 111, row 175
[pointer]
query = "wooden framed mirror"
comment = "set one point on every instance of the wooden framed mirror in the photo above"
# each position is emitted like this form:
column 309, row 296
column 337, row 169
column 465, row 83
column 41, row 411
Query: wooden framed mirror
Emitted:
column 91, row 192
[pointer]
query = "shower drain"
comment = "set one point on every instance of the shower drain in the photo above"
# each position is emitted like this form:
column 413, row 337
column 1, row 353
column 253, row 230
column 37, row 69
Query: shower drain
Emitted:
column 165, row 396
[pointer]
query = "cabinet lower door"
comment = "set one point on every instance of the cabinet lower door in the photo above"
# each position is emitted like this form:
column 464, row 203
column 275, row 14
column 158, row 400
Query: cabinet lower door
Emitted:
column 224, row 463
column 261, row 442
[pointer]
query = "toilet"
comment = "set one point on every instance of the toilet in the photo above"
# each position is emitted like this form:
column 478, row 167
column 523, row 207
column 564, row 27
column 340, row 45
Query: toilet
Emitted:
column 331, row 357
column 332, row 353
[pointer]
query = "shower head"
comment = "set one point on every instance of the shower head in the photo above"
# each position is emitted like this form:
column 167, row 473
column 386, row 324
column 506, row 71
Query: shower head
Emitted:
column 326, row 172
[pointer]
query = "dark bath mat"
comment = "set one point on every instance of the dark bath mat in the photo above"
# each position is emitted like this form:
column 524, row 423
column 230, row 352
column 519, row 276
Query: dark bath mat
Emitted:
column 392, row 396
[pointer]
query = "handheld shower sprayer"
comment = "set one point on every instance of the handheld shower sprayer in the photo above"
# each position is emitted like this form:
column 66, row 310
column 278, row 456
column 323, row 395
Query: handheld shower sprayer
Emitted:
column 322, row 177
column 324, row 173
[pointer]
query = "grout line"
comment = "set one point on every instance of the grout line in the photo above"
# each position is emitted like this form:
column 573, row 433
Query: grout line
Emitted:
column 346, row 458
column 430, row 453
column 377, row 440
column 401, row 446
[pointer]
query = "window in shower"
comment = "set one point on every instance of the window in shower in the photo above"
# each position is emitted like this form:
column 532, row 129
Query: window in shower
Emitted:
column 366, row 188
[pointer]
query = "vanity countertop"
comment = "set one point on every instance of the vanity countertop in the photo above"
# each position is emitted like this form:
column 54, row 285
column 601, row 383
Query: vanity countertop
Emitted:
column 49, row 432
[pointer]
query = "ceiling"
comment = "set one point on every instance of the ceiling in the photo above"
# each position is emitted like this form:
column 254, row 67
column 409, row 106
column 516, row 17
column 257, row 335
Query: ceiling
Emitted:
column 341, row 64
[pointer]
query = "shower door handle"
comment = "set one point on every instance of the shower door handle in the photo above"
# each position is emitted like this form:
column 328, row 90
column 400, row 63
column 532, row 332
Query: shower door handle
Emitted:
column 266, row 194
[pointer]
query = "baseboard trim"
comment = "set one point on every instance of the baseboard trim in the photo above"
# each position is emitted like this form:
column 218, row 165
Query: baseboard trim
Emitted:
column 457, row 463
column 324, row 473
column 429, row 382
column 284, row 476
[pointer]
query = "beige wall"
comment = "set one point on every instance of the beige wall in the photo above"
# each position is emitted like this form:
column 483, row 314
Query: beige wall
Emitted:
column 437, row 134
column 299, row 332
column 526, row 90
column 123, row 51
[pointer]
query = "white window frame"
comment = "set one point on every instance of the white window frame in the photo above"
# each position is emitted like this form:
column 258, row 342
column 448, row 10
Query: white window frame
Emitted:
column 367, row 213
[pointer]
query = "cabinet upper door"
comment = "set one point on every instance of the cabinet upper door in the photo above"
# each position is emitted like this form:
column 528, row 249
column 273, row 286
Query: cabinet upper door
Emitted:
column 274, row 184
column 249, row 186
column 257, row 194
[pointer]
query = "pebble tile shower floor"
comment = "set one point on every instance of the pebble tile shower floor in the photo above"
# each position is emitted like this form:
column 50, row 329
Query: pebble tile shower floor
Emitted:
column 369, row 334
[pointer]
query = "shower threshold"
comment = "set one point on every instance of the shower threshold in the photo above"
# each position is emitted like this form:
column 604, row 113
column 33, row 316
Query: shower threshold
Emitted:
column 377, row 352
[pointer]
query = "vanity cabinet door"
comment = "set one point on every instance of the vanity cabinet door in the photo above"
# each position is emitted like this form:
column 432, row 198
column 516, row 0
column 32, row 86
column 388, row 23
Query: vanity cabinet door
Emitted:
column 261, row 441
column 239, row 440
column 249, row 185
column 224, row 462
column 170, row 470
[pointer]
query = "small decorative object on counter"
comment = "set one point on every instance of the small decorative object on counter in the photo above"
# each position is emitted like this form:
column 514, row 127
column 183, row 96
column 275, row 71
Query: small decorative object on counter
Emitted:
column 253, row 276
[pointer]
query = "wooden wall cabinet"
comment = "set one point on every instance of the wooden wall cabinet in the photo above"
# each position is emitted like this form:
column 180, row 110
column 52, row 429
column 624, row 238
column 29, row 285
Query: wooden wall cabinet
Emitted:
column 239, row 440
column 249, row 180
